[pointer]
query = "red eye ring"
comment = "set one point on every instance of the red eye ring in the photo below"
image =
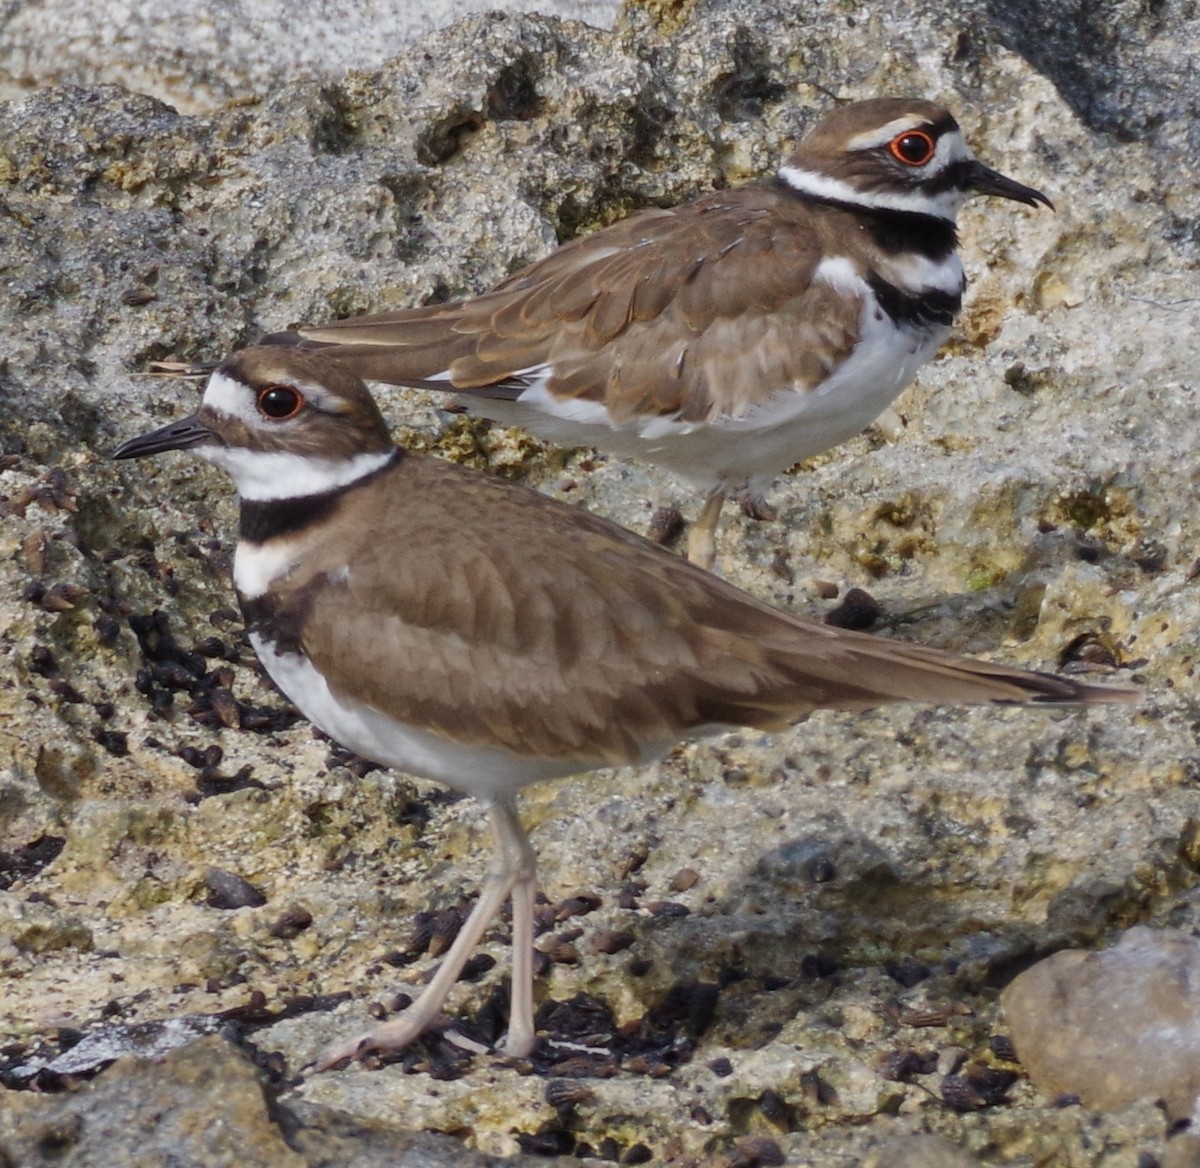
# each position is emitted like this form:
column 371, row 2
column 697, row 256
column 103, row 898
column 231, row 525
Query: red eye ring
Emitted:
column 279, row 402
column 913, row 147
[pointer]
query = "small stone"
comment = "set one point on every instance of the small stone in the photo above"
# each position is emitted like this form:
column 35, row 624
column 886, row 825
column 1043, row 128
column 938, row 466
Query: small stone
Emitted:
column 684, row 879
column 228, row 890
column 908, row 971
column 1113, row 1026
column 666, row 525
column 293, row 922
column 950, row 1058
column 611, row 941
column 576, row 906
column 858, row 610
column 669, row 908
column 559, row 950
column 760, row 1150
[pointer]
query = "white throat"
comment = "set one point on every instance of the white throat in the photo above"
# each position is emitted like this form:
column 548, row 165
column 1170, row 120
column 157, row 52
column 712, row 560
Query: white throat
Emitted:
column 260, row 475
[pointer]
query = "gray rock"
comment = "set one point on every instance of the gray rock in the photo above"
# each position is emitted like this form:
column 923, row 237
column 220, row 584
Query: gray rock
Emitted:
column 1121, row 65
column 206, row 1106
column 1116, row 1025
column 921, row 1152
column 143, row 1040
column 1182, row 1152
column 199, row 58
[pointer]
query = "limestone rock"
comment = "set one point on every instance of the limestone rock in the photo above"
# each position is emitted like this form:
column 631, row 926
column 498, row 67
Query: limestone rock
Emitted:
column 228, row 50
column 205, row 1105
column 921, row 1152
column 862, row 883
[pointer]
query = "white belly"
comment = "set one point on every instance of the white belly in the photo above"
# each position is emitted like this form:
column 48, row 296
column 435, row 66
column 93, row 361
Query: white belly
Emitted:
column 475, row 770
column 789, row 425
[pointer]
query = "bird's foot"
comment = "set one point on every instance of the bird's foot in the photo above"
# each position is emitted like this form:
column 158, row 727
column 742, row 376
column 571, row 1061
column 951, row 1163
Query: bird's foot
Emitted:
column 391, row 1036
column 400, row 1032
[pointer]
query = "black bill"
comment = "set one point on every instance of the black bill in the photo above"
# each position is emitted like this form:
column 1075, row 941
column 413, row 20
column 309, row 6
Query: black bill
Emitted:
column 175, row 436
column 987, row 181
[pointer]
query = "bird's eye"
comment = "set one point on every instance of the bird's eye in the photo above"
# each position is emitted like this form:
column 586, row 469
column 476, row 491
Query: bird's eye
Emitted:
column 913, row 147
column 279, row 402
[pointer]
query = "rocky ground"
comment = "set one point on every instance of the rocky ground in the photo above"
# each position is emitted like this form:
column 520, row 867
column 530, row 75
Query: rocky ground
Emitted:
column 764, row 950
column 198, row 57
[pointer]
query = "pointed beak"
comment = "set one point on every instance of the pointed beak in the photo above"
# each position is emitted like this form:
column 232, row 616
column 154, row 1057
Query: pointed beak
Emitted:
column 175, row 436
column 983, row 180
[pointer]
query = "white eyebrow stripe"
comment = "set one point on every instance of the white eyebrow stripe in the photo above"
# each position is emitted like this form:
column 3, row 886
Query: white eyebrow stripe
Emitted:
column 882, row 135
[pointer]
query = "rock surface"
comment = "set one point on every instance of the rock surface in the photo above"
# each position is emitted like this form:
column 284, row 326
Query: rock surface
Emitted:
column 131, row 1116
column 200, row 57
column 826, row 980
column 1114, row 1026
column 922, row 1152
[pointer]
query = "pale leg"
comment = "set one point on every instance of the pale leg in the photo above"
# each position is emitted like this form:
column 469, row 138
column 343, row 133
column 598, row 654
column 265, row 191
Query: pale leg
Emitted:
column 511, row 837
column 514, row 872
column 702, row 538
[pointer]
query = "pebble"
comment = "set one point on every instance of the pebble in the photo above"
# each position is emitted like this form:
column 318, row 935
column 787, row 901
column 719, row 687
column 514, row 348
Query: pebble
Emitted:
column 1113, row 1026
column 229, row 890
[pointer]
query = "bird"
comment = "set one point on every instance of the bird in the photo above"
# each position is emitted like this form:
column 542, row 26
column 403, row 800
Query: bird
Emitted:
column 478, row 633
column 729, row 337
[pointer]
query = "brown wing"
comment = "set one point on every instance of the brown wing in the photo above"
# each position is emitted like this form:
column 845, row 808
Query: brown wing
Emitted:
column 653, row 315
column 497, row 617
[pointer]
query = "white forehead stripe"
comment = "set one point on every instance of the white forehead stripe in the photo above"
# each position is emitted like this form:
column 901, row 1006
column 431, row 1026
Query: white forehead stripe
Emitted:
column 232, row 398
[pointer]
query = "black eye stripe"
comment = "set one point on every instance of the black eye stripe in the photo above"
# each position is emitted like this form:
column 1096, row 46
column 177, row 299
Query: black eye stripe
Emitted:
column 955, row 176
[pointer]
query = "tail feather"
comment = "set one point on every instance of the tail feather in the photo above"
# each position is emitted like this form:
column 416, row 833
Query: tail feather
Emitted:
column 769, row 676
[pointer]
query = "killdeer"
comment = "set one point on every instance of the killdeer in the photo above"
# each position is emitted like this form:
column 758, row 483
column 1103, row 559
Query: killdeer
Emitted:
column 730, row 337
column 480, row 634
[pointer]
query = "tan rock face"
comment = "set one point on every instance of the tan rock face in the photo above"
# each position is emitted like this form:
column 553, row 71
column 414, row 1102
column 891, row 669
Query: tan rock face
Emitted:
column 229, row 51
column 1113, row 1026
column 863, row 886
column 132, row 1115
column 921, row 1152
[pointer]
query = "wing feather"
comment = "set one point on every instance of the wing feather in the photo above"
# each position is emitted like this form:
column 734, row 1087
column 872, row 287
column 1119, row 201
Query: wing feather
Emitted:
column 491, row 615
column 649, row 317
